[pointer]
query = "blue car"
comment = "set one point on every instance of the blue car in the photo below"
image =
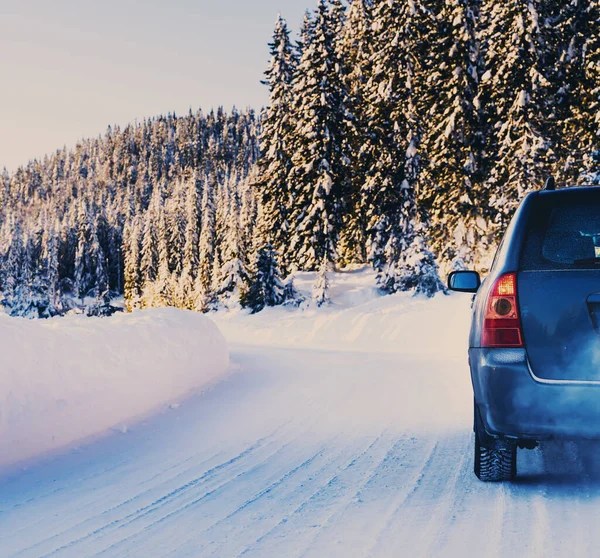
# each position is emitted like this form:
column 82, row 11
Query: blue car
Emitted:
column 534, row 345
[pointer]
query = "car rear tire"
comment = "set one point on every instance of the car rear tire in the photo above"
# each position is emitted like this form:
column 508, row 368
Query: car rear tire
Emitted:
column 496, row 463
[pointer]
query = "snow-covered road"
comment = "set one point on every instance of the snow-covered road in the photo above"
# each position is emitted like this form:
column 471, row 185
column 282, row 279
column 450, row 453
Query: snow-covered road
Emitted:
column 304, row 451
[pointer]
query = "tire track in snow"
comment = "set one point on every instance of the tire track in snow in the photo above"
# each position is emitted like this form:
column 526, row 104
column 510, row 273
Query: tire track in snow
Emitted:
column 334, row 453
column 322, row 494
column 172, row 494
column 171, row 498
column 419, row 527
column 252, row 518
column 408, row 485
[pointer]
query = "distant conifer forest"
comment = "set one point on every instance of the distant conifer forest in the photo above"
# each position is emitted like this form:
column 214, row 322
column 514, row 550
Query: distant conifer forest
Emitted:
column 401, row 134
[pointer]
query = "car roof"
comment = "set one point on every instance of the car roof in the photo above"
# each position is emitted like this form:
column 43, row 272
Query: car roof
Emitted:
column 569, row 192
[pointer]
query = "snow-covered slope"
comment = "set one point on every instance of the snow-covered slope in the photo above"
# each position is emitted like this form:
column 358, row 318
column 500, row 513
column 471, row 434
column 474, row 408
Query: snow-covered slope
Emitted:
column 307, row 451
column 359, row 319
column 64, row 379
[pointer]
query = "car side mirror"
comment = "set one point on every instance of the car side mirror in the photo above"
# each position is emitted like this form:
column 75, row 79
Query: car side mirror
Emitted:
column 464, row 281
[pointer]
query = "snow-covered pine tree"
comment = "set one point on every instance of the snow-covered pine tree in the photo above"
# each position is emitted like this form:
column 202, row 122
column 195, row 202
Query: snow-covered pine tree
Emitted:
column 50, row 243
column 131, row 254
column 186, row 295
column 306, row 34
column 163, row 284
column 149, row 252
column 265, row 285
column 320, row 289
column 204, row 294
column 588, row 110
column 14, row 270
column 516, row 98
column 576, row 86
column 232, row 275
column 451, row 181
column 276, row 142
column 24, row 298
column 355, row 49
column 100, row 279
column 82, row 280
column 390, row 183
column 319, row 180
column 52, row 255
column 175, row 226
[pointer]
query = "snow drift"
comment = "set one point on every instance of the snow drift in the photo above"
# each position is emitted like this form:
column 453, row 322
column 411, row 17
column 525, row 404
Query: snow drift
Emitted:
column 68, row 378
column 359, row 319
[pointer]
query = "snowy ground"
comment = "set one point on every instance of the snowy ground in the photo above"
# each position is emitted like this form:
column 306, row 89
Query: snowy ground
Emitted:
column 66, row 379
column 343, row 431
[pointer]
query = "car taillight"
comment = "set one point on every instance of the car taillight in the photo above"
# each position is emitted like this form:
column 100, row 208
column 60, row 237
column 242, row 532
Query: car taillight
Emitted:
column 501, row 325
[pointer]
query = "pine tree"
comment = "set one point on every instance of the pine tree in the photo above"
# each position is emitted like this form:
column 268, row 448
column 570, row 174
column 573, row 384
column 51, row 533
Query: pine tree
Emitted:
column 233, row 275
column 163, row 284
column 55, row 305
column 100, row 281
column 514, row 93
column 452, row 178
column 190, row 249
column 83, row 266
column 206, row 246
column 265, row 287
column 276, row 141
column 320, row 290
column 131, row 251
column 320, row 177
column 149, row 253
column 576, row 85
column 390, row 183
column 355, row 49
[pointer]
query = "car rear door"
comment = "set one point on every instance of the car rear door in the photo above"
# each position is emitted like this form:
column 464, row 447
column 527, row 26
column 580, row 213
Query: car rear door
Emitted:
column 559, row 286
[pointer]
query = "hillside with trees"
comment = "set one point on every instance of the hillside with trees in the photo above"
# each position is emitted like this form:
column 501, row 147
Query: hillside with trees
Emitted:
column 400, row 134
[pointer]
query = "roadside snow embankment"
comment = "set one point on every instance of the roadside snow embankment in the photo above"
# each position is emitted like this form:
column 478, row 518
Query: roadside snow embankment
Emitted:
column 64, row 379
column 359, row 319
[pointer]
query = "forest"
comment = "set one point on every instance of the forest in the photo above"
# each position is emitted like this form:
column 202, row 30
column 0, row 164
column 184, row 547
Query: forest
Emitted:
column 401, row 134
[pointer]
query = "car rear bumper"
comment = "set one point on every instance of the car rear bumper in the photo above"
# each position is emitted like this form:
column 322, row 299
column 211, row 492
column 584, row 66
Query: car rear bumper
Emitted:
column 514, row 404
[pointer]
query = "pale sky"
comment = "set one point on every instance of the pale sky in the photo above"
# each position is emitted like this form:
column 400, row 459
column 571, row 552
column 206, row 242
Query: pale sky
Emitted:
column 69, row 68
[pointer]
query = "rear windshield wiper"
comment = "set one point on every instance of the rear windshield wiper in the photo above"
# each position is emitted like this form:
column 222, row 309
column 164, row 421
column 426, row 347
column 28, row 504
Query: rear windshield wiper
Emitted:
column 587, row 261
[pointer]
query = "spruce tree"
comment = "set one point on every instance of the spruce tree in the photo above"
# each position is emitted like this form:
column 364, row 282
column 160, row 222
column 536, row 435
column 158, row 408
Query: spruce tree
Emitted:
column 514, row 91
column 319, row 179
column 393, row 115
column 204, row 293
column 83, row 266
column 576, row 81
column 451, row 181
column 320, row 289
column 265, row 286
column 356, row 51
column 232, row 277
column 190, row 248
column 149, row 252
column 131, row 252
column 52, row 274
column 275, row 163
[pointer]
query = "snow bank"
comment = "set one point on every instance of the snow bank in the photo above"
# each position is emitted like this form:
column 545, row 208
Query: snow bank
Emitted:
column 67, row 378
column 359, row 319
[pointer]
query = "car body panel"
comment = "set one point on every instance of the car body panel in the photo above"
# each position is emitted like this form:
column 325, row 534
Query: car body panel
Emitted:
column 557, row 310
column 513, row 404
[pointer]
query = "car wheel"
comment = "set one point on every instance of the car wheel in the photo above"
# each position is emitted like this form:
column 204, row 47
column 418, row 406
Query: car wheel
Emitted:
column 497, row 463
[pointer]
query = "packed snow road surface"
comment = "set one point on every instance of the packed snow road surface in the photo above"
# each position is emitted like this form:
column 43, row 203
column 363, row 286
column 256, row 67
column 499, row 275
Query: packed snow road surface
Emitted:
column 310, row 452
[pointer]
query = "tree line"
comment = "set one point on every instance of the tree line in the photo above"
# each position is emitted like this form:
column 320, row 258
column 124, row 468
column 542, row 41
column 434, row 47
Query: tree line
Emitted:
column 401, row 134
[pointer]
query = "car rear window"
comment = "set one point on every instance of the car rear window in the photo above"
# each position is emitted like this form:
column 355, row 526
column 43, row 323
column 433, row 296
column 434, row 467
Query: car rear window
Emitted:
column 563, row 232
